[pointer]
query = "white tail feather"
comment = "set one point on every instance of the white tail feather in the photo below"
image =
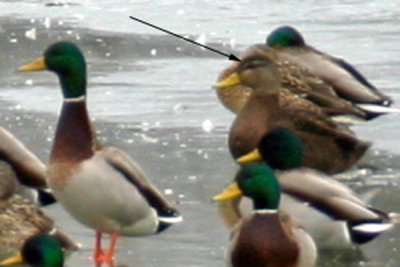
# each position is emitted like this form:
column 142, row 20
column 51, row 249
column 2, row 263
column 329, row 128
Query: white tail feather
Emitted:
column 170, row 220
column 373, row 227
column 378, row 109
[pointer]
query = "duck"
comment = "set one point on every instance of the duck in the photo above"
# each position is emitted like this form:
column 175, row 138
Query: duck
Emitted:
column 100, row 186
column 21, row 218
column 328, row 146
column 40, row 250
column 267, row 236
column 331, row 83
column 331, row 211
column 345, row 79
column 28, row 169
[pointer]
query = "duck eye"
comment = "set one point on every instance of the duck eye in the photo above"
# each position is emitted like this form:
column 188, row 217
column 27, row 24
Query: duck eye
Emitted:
column 255, row 62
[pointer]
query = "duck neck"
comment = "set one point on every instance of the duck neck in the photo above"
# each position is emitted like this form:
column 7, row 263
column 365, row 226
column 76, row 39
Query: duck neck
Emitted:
column 73, row 83
column 266, row 204
column 75, row 137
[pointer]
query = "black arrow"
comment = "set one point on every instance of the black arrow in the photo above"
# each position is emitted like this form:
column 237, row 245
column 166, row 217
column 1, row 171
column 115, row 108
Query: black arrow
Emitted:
column 231, row 56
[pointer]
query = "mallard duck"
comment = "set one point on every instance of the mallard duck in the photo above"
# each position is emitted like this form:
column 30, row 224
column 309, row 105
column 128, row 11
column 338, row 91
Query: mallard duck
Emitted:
column 40, row 251
column 344, row 78
column 267, row 236
column 101, row 186
column 328, row 147
column 331, row 83
column 20, row 218
column 282, row 150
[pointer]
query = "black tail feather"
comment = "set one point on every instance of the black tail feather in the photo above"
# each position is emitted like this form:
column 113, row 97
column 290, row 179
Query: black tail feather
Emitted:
column 45, row 198
column 168, row 218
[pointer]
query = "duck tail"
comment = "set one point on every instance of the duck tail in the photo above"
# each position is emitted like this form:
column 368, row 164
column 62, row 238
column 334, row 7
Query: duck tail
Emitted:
column 364, row 231
column 374, row 110
column 45, row 197
column 168, row 218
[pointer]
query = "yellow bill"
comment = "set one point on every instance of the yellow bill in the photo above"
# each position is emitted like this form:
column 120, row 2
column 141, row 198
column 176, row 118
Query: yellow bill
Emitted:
column 230, row 192
column 254, row 155
column 231, row 80
column 12, row 260
column 37, row 64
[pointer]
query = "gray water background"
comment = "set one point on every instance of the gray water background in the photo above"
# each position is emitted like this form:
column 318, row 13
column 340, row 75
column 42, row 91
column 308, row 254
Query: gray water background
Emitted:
column 151, row 95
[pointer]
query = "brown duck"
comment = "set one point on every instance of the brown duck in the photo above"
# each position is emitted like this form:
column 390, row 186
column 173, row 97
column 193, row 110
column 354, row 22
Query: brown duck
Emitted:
column 21, row 218
column 331, row 83
column 329, row 147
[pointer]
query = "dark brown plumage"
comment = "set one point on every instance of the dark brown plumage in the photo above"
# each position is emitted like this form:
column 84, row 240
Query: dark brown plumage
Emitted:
column 20, row 218
column 307, row 73
column 328, row 146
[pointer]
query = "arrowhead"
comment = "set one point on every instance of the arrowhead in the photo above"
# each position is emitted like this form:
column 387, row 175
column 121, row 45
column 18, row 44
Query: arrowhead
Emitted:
column 233, row 57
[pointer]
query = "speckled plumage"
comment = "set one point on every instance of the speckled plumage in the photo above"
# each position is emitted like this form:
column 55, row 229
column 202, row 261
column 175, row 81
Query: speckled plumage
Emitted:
column 328, row 147
column 329, row 82
column 20, row 218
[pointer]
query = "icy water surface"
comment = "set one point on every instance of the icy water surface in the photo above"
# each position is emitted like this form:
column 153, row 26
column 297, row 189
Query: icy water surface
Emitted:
column 151, row 95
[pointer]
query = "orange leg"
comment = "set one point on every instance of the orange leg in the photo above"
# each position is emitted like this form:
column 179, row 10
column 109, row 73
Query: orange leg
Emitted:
column 113, row 243
column 98, row 253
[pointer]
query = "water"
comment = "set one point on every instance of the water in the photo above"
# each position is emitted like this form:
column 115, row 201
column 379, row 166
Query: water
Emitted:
column 151, row 95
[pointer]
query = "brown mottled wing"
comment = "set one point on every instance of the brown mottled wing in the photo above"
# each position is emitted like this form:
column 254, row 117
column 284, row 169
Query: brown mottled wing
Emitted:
column 30, row 214
column 296, row 79
column 301, row 82
column 308, row 117
column 123, row 163
column 317, row 127
column 20, row 219
column 292, row 101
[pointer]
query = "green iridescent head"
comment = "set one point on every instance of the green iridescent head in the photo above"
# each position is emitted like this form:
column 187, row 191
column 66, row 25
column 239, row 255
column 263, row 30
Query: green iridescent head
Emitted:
column 67, row 61
column 43, row 251
column 259, row 182
column 39, row 251
column 281, row 149
column 285, row 36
